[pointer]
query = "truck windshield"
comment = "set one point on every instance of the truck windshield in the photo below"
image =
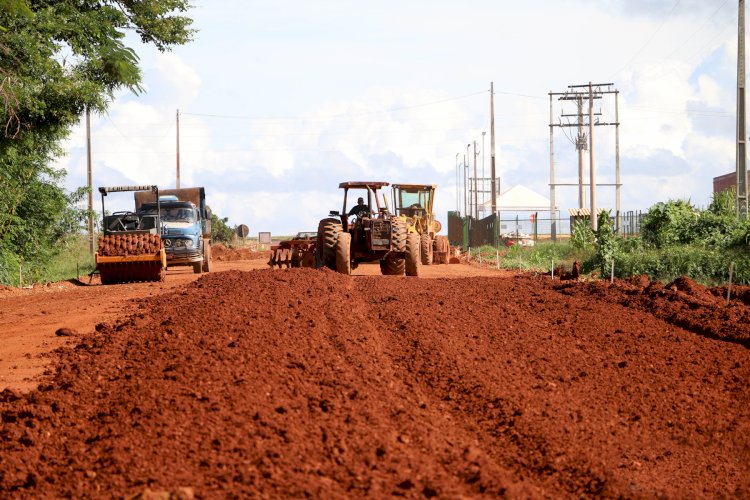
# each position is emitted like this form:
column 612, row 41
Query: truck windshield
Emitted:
column 173, row 214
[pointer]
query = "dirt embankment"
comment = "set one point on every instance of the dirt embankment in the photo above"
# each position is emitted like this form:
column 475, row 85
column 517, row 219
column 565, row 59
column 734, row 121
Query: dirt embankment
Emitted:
column 301, row 382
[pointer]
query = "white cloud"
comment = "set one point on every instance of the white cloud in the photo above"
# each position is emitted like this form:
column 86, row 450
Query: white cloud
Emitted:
column 309, row 96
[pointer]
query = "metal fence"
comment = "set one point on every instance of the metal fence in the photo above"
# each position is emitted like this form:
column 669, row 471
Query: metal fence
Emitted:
column 467, row 231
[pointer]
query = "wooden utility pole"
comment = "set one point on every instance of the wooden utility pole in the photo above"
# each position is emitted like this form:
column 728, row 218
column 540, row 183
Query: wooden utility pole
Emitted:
column 178, row 150
column 90, row 182
column 741, row 162
column 581, row 146
column 493, row 189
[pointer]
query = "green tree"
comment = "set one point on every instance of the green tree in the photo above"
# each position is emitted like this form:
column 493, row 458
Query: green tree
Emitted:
column 58, row 58
column 220, row 230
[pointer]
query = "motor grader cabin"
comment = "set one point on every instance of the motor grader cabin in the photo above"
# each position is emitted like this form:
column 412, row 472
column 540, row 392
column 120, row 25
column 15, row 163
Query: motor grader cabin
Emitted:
column 130, row 248
column 413, row 203
column 366, row 232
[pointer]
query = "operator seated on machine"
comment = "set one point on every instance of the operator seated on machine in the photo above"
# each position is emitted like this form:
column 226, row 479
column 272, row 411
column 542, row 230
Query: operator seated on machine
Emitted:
column 360, row 209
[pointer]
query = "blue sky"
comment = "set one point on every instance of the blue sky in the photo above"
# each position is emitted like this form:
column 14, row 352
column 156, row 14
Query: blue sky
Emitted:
column 281, row 101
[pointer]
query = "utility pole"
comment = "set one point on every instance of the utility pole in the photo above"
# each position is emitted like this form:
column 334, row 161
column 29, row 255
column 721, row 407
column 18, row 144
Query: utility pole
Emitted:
column 592, row 158
column 493, row 189
column 741, row 116
column 552, row 183
column 468, row 192
column 484, row 179
column 178, row 149
column 579, row 93
column 466, row 168
column 90, row 181
column 476, row 184
column 458, row 186
column 581, row 146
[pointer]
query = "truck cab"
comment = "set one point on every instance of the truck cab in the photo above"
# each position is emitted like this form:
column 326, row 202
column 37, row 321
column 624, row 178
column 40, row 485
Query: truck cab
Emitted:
column 185, row 225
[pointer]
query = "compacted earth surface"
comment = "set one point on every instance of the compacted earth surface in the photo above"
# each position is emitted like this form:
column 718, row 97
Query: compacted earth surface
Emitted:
column 297, row 382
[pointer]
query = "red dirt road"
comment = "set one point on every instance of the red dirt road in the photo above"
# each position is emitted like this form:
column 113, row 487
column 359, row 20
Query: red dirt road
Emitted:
column 301, row 382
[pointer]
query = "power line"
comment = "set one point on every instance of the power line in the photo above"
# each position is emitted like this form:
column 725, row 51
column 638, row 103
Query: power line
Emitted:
column 638, row 52
column 698, row 30
column 340, row 115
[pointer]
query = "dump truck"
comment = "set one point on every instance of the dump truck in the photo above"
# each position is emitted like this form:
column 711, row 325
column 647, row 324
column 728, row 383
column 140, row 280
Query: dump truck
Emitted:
column 413, row 203
column 186, row 225
column 130, row 246
column 367, row 232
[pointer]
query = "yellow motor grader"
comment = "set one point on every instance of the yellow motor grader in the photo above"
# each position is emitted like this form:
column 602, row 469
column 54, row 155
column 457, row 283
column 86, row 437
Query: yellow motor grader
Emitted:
column 131, row 247
column 413, row 203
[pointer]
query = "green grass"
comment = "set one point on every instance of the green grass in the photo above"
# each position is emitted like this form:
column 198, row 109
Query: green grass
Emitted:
column 71, row 259
column 541, row 257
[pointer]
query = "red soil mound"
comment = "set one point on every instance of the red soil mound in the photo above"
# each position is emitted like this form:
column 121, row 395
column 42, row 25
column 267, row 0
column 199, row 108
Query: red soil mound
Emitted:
column 308, row 383
column 222, row 253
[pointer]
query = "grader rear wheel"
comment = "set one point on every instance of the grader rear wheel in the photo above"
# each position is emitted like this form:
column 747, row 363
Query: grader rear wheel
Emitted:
column 413, row 260
column 425, row 243
column 442, row 248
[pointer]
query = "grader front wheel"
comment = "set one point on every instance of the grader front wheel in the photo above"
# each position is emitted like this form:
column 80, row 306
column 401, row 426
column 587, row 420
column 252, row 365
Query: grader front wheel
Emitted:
column 425, row 243
column 413, row 261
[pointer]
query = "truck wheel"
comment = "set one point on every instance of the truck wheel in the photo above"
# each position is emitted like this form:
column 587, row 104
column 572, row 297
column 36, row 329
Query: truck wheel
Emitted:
column 343, row 253
column 413, row 262
column 208, row 260
column 325, row 249
column 425, row 243
column 197, row 267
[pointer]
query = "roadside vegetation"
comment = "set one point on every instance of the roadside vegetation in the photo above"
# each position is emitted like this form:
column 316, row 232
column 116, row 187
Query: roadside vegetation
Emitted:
column 677, row 239
column 58, row 59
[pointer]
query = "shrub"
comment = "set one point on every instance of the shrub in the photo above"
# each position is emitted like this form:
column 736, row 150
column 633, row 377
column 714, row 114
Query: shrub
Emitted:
column 582, row 236
column 669, row 223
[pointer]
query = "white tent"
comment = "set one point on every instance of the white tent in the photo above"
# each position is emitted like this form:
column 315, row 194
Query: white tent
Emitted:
column 518, row 199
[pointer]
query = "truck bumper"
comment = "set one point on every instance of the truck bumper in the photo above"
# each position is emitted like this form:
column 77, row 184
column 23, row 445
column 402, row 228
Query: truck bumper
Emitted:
column 183, row 257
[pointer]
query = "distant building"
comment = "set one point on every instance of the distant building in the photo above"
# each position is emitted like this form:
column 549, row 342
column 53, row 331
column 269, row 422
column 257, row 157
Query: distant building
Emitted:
column 724, row 182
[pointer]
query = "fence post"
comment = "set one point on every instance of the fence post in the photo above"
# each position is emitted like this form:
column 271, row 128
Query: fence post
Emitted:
column 553, row 269
column 729, row 287
column 497, row 258
column 612, row 272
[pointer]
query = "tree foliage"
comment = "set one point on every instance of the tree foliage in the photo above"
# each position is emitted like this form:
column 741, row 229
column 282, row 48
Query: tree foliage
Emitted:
column 58, row 58
column 220, row 230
